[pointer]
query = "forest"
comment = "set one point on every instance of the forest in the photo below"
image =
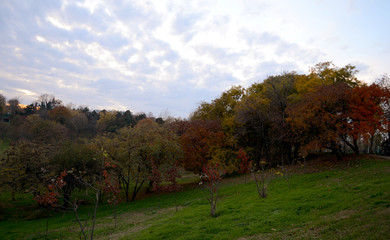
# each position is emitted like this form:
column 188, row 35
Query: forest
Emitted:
column 61, row 156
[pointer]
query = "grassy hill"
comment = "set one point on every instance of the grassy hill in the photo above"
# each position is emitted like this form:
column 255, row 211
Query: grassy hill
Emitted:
column 326, row 200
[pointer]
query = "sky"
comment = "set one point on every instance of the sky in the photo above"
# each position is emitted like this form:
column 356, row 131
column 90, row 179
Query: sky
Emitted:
column 166, row 57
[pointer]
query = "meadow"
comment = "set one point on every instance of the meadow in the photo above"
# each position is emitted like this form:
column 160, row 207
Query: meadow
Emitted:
column 326, row 199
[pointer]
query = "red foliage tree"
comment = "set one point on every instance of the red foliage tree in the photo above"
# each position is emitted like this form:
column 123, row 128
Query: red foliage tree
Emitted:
column 210, row 179
column 200, row 142
column 365, row 115
column 170, row 176
column 50, row 197
column 103, row 181
column 244, row 161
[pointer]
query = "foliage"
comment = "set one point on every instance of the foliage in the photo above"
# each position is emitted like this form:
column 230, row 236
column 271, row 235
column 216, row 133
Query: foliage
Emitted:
column 201, row 141
column 97, row 183
column 138, row 152
column 25, row 167
column 262, row 119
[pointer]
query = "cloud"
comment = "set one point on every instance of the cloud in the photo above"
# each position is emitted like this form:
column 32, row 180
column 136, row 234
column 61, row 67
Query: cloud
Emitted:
column 156, row 55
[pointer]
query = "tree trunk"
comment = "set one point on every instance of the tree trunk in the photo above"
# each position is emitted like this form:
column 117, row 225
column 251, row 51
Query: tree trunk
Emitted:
column 371, row 143
column 136, row 189
column 336, row 152
column 66, row 200
column 354, row 146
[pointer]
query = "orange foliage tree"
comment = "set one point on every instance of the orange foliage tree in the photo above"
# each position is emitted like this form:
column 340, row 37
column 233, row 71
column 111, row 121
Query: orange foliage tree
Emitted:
column 200, row 142
column 339, row 113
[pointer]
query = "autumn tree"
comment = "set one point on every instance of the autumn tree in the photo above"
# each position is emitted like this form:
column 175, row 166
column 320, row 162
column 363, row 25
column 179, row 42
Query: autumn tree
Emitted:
column 13, row 107
column 365, row 115
column 74, row 157
column 211, row 178
column 25, row 167
column 43, row 131
column 3, row 101
column 221, row 109
column 171, row 177
column 200, row 143
column 158, row 145
column 134, row 150
column 106, row 121
column 46, row 102
column 60, row 114
column 246, row 166
column 319, row 118
column 79, row 125
column 12, row 171
column 261, row 119
column 95, row 184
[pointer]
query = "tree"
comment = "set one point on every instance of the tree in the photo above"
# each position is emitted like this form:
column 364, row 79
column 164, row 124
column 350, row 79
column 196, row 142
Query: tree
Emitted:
column 339, row 113
column 2, row 104
column 210, row 179
column 47, row 102
column 79, row 125
column 96, row 183
column 158, row 145
column 261, row 119
column 42, row 131
column 44, row 103
column 170, row 176
column 247, row 166
column 200, row 142
column 135, row 150
column 25, row 167
column 12, row 171
column 221, row 109
column 319, row 117
column 74, row 157
column 60, row 114
column 365, row 115
column 326, row 73
column 13, row 107
column 106, row 122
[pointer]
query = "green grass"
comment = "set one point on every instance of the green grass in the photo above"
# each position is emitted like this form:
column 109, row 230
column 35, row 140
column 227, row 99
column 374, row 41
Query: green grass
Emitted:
column 347, row 201
column 3, row 145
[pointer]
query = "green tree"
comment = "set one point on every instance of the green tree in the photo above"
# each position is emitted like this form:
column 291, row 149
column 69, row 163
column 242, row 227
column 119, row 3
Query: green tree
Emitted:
column 134, row 150
column 261, row 119
column 25, row 167
column 77, row 158
column 3, row 101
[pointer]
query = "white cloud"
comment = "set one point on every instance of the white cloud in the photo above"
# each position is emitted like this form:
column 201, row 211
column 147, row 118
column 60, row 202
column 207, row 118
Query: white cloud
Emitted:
column 58, row 23
column 154, row 55
column 27, row 92
column 40, row 39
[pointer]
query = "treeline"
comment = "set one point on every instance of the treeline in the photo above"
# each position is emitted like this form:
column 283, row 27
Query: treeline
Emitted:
column 76, row 122
column 47, row 138
column 276, row 122
column 286, row 117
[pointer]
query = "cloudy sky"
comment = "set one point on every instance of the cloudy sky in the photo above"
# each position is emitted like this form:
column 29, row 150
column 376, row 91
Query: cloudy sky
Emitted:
column 168, row 56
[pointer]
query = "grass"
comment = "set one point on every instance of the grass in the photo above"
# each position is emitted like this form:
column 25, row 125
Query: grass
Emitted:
column 349, row 200
column 3, row 145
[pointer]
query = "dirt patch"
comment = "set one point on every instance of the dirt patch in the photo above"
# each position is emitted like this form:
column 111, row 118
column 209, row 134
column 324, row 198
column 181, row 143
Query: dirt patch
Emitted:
column 344, row 214
column 130, row 223
column 295, row 233
column 385, row 212
column 307, row 232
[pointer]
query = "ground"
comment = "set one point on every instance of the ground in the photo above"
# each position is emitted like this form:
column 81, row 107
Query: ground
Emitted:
column 326, row 199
